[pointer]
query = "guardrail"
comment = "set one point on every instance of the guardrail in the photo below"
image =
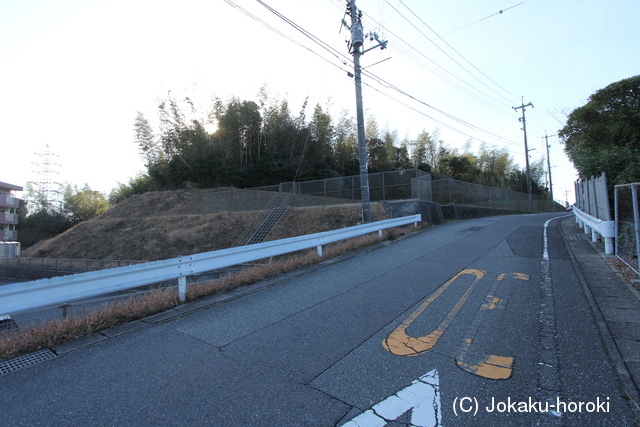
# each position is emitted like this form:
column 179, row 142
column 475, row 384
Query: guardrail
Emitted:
column 606, row 229
column 44, row 292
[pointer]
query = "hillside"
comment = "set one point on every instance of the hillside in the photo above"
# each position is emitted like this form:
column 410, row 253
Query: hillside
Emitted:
column 167, row 224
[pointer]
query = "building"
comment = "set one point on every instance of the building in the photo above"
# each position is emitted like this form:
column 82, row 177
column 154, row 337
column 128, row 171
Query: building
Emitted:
column 8, row 212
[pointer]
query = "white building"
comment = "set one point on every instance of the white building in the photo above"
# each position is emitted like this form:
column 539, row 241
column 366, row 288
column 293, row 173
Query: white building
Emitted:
column 8, row 211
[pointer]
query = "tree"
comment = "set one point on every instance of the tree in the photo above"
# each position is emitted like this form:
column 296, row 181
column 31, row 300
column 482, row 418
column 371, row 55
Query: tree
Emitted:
column 318, row 154
column 494, row 165
column 346, row 149
column 604, row 134
column 401, row 156
column 239, row 133
column 84, row 204
column 517, row 179
column 146, row 140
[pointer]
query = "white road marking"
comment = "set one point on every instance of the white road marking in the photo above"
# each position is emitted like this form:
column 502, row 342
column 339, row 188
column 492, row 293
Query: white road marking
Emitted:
column 422, row 398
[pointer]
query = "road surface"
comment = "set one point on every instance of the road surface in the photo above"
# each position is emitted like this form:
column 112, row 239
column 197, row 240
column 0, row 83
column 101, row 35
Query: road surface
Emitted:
column 479, row 322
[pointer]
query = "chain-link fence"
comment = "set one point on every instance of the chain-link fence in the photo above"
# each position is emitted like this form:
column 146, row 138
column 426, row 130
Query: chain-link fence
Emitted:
column 395, row 185
column 628, row 224
column 452, row 192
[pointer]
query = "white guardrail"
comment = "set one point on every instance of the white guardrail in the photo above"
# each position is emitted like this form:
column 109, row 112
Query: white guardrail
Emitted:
column 44, row 292
column 607, row 229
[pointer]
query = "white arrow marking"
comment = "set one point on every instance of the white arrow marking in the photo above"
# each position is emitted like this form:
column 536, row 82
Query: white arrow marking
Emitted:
column 422, row 398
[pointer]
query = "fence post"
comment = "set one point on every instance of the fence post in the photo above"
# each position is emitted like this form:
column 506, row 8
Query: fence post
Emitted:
column 636, row 219
column 353, row 190
column 383, row 192
column 617, row 216
column 182, row 288
column 325, row 191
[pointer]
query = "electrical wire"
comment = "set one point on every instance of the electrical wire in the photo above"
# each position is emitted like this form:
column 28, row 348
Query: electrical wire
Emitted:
column 438, row 121
column 459, row 54
column 454, row 81
column 369, row 74
column 411, row 47
column 486, row 17
column 385, row 83
column 280, row 33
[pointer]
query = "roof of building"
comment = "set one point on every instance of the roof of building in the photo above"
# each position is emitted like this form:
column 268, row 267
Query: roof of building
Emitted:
column 10, row 186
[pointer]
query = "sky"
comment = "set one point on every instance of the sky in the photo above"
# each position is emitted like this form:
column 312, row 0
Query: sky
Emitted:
column 76, row 72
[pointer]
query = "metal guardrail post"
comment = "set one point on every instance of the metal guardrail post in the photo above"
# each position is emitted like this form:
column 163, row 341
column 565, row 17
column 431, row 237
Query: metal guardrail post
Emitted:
column 182, row 288
column 605, row 228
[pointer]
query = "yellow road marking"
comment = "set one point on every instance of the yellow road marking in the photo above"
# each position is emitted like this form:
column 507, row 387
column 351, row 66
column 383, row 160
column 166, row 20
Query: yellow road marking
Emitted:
column 401, row 344
column 492, row 367
column 489, row 366
column 492, row 303
column 519, row 276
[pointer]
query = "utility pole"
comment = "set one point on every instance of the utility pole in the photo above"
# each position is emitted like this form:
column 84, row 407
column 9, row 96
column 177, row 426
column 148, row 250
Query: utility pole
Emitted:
column 549, row 167
column 526, row 150
column 356, row 48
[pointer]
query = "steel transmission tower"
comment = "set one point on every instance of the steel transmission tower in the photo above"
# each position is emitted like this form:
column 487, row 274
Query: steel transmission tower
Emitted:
column 356, row 48
column 45, row 184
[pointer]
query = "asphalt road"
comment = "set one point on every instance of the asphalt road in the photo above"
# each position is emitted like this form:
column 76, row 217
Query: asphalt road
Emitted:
column 468, row 323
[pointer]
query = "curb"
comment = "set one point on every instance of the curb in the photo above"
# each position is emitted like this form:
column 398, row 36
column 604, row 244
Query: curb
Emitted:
column 625, row 377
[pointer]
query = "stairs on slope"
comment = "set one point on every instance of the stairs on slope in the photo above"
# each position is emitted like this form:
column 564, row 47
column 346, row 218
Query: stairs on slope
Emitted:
column 267, row 219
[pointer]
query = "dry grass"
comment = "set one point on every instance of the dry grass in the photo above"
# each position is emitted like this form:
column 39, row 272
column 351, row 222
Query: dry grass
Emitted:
column 627, row 273
column 121, row 312
column 161, row 203
column 169, row 236
column 169, row 224
column 309, row 220
column 74, row 327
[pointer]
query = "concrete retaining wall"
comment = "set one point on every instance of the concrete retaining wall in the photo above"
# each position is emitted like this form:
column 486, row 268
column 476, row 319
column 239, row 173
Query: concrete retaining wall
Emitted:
column 435, row 213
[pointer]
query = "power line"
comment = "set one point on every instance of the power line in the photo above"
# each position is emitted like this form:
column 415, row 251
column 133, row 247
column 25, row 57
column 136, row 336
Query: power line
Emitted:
column 336, row 54
column 450, row 116
column 404, row 104
column 449, row 56
column 452, row 82
column 280, row 33
column 500, row 12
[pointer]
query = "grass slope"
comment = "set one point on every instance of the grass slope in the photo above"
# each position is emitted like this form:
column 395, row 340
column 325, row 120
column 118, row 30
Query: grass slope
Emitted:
column 168, row 224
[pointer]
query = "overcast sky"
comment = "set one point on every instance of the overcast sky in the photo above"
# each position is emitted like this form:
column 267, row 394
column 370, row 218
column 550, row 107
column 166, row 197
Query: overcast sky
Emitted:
column 75, row 72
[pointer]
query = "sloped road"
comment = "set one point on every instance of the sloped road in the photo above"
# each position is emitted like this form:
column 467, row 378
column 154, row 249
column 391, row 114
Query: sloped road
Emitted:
column 468, row 323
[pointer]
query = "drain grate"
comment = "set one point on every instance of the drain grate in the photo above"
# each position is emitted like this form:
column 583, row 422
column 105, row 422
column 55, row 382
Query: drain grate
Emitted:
column 20, row 362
